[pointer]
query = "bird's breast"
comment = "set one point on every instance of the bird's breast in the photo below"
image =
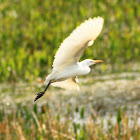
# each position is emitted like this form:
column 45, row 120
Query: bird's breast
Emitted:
column 84, row 71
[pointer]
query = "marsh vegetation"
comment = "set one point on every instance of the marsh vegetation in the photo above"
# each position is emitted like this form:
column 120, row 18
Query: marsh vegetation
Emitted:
column 108, row 104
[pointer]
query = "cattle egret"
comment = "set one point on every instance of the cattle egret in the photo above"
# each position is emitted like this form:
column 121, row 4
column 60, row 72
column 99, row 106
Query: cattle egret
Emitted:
column 66, row 65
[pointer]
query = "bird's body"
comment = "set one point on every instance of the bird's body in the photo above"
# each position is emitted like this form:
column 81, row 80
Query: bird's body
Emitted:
column 67, row 77
column 68, row 72
column 66, row 65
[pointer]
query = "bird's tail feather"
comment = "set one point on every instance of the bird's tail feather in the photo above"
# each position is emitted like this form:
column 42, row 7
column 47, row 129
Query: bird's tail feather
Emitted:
column 46, row 82
column 48, row 79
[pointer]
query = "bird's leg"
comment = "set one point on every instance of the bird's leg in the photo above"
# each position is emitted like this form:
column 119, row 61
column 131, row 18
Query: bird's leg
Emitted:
column 40, row 94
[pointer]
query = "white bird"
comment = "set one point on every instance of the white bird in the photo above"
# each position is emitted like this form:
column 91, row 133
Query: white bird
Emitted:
column 66, row 65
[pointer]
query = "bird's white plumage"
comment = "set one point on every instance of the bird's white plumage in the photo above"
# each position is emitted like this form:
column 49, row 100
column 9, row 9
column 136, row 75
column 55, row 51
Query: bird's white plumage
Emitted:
column 74, row 45
column 65, row 64
column 70, row 84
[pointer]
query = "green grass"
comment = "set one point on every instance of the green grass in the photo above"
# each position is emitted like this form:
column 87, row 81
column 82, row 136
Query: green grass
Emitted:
column 32, row 30
column 40, row 122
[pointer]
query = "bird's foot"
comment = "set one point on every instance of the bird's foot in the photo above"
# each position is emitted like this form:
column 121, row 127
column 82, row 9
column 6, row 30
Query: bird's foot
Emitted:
column 40, row 94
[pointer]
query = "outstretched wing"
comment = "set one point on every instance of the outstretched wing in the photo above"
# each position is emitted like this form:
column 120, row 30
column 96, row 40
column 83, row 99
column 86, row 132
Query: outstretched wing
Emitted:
column 70, row 84
column 74, row 45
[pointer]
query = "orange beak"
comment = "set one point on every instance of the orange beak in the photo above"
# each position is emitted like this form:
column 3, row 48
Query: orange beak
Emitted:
column 98, row 61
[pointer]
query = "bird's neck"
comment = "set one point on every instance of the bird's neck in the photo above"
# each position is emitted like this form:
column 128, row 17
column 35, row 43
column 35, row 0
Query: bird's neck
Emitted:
column 84, row 64
column 83, row 68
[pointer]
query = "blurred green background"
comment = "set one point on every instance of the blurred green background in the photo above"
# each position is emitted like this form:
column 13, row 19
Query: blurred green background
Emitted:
column 32, row 30
column 107, row 106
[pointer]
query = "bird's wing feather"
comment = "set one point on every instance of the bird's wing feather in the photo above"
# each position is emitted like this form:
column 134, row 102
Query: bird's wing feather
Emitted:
column 74, row 45
column 70, row 84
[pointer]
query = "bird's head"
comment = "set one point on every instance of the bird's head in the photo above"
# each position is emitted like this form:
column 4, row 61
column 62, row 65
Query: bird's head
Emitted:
column 90, row 62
